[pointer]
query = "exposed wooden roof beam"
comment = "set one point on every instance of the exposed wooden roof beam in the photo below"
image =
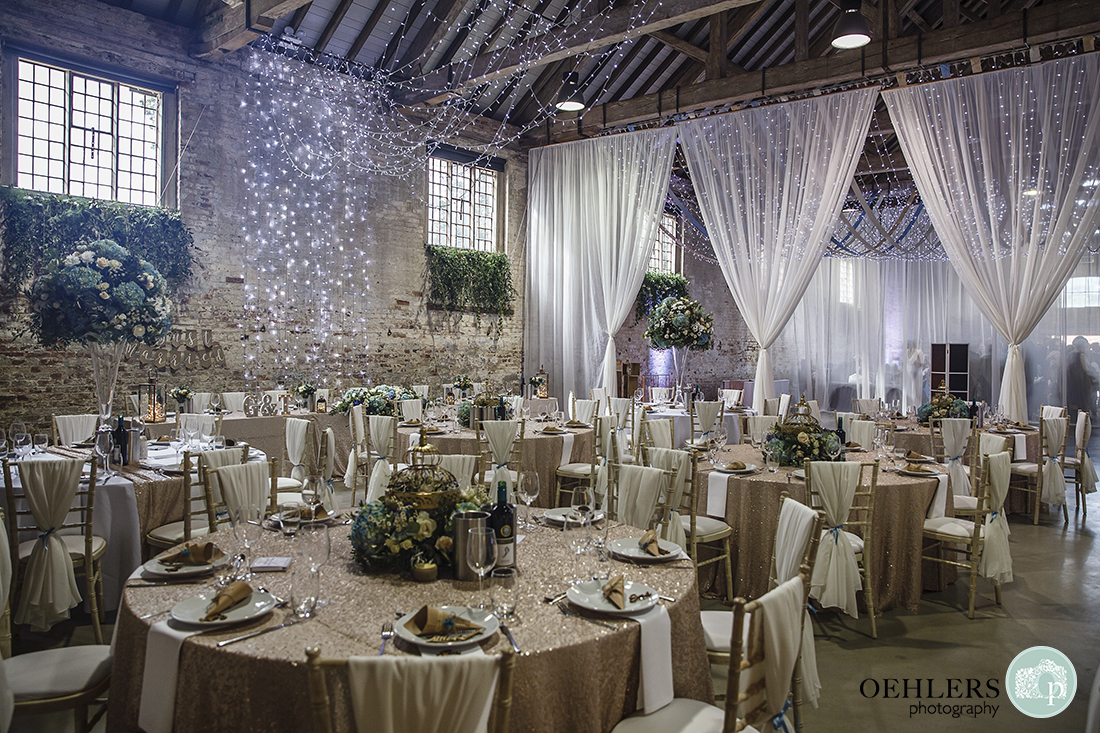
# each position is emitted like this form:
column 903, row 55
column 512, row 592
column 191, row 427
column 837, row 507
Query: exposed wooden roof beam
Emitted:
column 684, row 47
column 440, row 20
column 520, row 35
column 463, row 33
column 332, row 25
column 1045, row 23
column 550, row 75
column 299, row 15
column 399, row 34
column 226, row 29
column 716, row 55
column 368, row 28
column 621, row 67
column 741, row 22
column 584, row 36
column 658, row 72
column 802, row 30
column 170, row 11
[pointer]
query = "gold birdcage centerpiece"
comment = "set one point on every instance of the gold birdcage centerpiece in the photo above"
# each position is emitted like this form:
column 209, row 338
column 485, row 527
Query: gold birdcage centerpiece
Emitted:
column 425, row 484
column 801, row 416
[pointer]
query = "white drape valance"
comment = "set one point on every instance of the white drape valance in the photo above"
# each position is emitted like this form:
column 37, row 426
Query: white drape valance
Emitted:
column 770, row 183
column 1007, row 164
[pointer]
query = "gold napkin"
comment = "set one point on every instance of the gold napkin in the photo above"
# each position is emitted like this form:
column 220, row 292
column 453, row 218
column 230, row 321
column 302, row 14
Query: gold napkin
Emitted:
column 226, row 599
column 576, row 424
column 431, row 621
column 735, row 466
column 913, row 456
column 194, row 553
column 414, row 421
column 552, row 429
column 304, row 512
column 163, row 439
column 853, row 444
column 649, row 543
column 614, row 591
column 917, row 468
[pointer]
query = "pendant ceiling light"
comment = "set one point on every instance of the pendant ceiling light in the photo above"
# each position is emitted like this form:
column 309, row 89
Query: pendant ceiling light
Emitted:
column 569, row 98
column 852, row 29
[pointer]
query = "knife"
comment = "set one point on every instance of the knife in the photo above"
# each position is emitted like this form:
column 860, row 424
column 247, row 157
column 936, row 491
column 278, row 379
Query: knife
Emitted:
column 242, row 637
column 508, row 633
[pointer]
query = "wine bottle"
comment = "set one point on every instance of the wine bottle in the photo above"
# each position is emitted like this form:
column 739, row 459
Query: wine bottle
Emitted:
column 501, row 410
column 502, row 520
column 122, row 441
column 840, row 435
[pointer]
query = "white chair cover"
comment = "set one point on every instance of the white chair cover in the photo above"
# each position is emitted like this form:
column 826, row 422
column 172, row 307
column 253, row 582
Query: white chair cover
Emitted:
column 660, row 394
column 200, row 402
column 381, row 430
column 296, row 431
column 357, row 428
column 1086, row 470
column 233, row 401
column 761, row 425
column 730, row 396
column 219, row 459
column 406, row 694
column 462, row 467
column 782, row 609
column 836, row 573
column 679, row 463
column 75, row 428
column 585, row 410
column 500, row 434
column 847, row 417
column 516, row 403
column 791, row 537
column 815, row 410
column 1050, row 411
column 707, row 413
column 639, row 490
column 421, row 389
column 245, row 484
column 620, row 408
column 412, row 410
column 862, row 432
column 869, row 407
column 784, row 405
column 990, row 443
column 771, row 406
column 49, row 583
column 1054, row 480
column 599, row 394
column 996, row 562
column 956, row 435
column 660, row 431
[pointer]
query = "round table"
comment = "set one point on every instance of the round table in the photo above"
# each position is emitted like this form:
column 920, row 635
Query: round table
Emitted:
column 681, row 423
column 572, row 675
column 541, row 452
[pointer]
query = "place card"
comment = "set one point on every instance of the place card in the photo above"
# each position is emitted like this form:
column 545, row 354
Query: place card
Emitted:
column 271, row 564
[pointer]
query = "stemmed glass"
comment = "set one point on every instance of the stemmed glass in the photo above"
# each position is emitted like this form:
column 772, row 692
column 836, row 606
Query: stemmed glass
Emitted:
column 16, row 429
column 3, row 447
column 481, row 555
column 832, row 448
column 247, row 525
column 314, row 546
column 581, row 502
column 41, row 440
column 104, row 443
column 891, row 452
column 527, row 488
column 311, row 494
column 575, row 530
column 880, row 440
column 216, row 403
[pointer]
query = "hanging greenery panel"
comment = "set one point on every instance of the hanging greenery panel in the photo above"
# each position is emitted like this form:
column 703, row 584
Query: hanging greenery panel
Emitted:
column 656, row 286
column 468, row 280
column 36, row 228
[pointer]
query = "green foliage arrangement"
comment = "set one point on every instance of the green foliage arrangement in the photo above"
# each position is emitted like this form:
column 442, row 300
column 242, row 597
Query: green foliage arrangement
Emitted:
column 40, row 227
column 793, row 444
column 656, row 286
column 465, row 279
column 680, row 323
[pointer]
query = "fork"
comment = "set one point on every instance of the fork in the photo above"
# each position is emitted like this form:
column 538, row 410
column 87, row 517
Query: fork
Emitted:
column 387, row 634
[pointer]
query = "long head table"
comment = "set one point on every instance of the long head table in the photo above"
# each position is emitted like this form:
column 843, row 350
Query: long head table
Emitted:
column 572, row 675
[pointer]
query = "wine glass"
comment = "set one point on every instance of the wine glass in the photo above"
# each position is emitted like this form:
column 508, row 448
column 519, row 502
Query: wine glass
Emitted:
column 41, row 440
column 581, row 501
column 832, row 447
column 104, row 444
column 246, row 519
column 880, row 440
column 311, row 494
column 771, row 459
column 502, row 591
column 3, row 447
column 481, row 554
column 527, row 488
column 891, row 452
column 575, row 530
column 16, row 429
column 216, row 402
column 314, row 543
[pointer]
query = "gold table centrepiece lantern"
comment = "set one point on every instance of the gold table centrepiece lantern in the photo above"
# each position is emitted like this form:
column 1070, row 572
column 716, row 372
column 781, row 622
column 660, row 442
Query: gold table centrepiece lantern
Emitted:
column 800, row 415
column 425, row 484
column 542, row 384
column 151, row 400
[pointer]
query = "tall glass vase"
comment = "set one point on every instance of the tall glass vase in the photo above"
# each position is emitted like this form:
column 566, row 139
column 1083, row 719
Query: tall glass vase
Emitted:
column 105, row 361
column 679, row 365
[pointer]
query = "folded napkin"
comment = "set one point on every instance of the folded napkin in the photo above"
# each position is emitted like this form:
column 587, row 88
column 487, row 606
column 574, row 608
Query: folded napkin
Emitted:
column 655, row 668
column 899, row 416
column 577, row 424
column 614, row 591
column 305, row 512
column 649, row 544
column 917, row 468
column 414, row 421
column 226, row 599
column 552, row 429
column 912, row 455
column 194, row 553
column 430, row 621
column 854, row 445
column 735, row 466
column 163, row 439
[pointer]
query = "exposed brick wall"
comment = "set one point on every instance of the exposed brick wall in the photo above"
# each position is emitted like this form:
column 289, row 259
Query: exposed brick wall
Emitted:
column 407, row 343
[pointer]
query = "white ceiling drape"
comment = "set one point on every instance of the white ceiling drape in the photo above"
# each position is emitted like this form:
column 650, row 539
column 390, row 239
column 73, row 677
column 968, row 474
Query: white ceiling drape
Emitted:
column 1008, row 164
column 770, row 183
column 594, row 207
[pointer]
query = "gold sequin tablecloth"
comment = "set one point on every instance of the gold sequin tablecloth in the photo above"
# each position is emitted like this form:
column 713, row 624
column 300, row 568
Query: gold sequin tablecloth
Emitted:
column 573, row 676
column 901, row 502
column 541, row 452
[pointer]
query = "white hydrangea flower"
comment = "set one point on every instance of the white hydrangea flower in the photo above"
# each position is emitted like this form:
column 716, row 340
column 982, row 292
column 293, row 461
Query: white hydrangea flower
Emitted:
column 104, row 294
column 138, row 331
column 87, row 256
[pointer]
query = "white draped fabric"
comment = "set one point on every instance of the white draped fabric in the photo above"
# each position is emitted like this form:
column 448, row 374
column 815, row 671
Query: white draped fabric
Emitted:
column 233, row 401
column 1006, row 163
column 1054, row 480
column 770, row 183
column 678, row 462
column 639, row 490
column 1086, row 469
column 707, row 414
column 956, row 435
column 412, row 410
column 49, row 583
column 791, row 537
column 246, row 484
column 996, row 562
column 297, row 431
column 861, row 432
column 585, row 411
column 594, row 207
column 660, row 432
column 760, row 426
column 382, row 427
column 75, row 428
column 836, row 572
column 500, row 434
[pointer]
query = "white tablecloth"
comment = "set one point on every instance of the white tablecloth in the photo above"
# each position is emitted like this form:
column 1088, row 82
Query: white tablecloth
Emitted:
column 681, row 425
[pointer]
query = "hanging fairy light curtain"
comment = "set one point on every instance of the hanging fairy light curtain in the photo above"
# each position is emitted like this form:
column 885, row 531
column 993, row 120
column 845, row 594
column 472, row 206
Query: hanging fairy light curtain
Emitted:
column 593, row 211
column 1008, row 165
column 771, row 182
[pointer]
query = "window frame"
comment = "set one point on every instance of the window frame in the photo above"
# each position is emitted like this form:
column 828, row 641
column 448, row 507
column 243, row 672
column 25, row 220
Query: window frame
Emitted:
column 12, row 52
column 676, row 253
column 457, row 156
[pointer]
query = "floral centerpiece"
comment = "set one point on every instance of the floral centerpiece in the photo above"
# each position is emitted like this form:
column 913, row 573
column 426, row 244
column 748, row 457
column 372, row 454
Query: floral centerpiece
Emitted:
column 181, row 395
column 305, row 390
column 541, row 384
column 463, row 382
column 375, row 400
column 682, row 325
column 103, row 297
column 942, row 404
column 801, row 437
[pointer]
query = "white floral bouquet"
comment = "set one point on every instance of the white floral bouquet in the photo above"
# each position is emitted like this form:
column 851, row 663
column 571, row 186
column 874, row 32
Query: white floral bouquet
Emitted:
column 181, row 394
column 375, row 400
column 103, row 294
column 305, row 390
column 680, row 323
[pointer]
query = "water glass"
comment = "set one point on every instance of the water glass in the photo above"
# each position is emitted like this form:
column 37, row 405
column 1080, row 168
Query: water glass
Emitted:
column 577, row 541
column 528, row 490
column 16, row 429
column 481, row 554
column 289, row 517
column 772, row 459
column 219, row 442
column 246, row 520
column 502, row 592
column 305, row 590
column 21, row 442
column 313, row 543
column 215, row 403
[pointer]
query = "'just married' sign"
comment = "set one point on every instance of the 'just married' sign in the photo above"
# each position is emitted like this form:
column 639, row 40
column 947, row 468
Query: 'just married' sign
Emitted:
column 181, row 350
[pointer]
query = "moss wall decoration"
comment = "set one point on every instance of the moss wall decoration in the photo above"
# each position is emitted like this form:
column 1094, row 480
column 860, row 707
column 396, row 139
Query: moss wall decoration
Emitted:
column 656, row 287
column 468, row 280
column 36, row 228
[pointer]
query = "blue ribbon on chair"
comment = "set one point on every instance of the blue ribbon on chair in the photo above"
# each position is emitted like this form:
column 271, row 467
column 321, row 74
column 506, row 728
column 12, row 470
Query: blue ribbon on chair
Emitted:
column 331, row 488
column 954, row 459
column 500, row 465
column 779, row 720
column 45, row 535
column 835, row 532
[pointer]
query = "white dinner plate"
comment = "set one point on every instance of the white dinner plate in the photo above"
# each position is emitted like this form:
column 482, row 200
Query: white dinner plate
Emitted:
column 156, row 567
column 901, row 428
column 330, row 520
column 799, row 473
column 409, row 424
column 546, row 431
column 589, row 596
column 629, row 549
column 558, row 515
column 749, row 468
column 194, row 608
column 476, row 615
column 581, row 425
column 915, row 474
column 922, row 459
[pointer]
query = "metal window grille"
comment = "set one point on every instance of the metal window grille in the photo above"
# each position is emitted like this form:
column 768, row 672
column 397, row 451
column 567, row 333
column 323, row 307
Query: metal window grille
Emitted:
column 462, row 205
column 663, row 257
